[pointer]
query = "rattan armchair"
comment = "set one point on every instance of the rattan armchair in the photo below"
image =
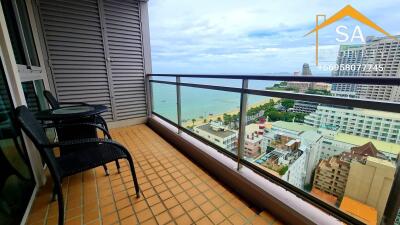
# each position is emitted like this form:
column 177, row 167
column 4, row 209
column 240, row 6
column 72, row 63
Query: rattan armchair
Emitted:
column 86, row 154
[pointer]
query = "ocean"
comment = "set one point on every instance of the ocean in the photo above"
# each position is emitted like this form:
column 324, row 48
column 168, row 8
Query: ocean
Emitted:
column 198, row 102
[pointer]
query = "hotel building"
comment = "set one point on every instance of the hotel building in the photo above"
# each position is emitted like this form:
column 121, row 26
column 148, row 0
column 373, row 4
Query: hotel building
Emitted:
column 381, row 52
column 372, row 124
column 348, row 55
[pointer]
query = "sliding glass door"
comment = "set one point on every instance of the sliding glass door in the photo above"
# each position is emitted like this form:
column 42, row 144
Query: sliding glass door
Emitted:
column 16, row 179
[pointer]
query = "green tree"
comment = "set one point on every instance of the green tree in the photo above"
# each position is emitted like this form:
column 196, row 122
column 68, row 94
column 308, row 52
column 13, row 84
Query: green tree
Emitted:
column 287, row 103
column 227, row 119
column 193, row 121
column 283, row 170
column 205, row 120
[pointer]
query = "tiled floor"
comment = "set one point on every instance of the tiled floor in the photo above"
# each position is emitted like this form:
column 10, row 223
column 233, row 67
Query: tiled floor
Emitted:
column 174, row 191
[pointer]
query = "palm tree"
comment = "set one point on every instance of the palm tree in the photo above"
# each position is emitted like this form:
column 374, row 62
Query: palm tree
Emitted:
column 205, row 120
column 227, row 119
column 193, row 121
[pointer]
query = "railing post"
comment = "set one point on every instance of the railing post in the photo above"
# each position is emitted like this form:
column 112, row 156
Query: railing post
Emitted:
column 149, row 95
column 242, row 122
column 178, row 103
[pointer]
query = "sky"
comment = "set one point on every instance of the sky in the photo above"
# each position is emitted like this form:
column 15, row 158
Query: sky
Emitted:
column 253, row 36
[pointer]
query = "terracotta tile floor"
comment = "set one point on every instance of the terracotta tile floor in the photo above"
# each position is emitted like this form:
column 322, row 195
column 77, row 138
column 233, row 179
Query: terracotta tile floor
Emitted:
column 174, row 191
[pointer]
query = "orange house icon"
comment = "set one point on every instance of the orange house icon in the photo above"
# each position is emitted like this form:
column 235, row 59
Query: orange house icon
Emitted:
column 346, row 11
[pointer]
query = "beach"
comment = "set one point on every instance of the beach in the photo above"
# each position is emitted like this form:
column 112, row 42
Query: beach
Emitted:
column 214, row 117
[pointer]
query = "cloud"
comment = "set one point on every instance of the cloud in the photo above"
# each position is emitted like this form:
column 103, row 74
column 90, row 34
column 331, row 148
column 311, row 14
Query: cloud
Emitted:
column 256, row 36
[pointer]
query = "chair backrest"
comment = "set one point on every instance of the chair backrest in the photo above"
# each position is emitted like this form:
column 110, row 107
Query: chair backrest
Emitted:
column 32, row 128
column 51, row 99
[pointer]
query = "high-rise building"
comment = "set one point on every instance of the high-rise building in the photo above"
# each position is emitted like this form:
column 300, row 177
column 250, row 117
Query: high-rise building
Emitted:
column 378, row 57
column 306, row 71
column 349, row 57
column 381, row 59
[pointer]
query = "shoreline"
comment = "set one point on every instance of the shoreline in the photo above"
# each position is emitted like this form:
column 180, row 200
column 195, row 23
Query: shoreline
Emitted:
column 200, row 121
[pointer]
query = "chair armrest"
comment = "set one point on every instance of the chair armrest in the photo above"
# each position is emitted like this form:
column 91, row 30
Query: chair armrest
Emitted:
column 73, row 103
column 86, row 141
column 76, row 142
column 66, row 125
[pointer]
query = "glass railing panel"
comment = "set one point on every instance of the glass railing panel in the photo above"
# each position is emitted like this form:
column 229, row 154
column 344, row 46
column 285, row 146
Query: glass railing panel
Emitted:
column 236, row 83
column 338, row 154
column 164, row 101
column 212, row 115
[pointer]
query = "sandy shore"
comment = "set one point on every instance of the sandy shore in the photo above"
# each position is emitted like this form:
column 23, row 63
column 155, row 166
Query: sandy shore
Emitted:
column 200, row 121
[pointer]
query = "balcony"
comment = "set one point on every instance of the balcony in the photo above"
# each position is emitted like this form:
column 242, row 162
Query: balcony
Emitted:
column 174, row 191
column 98, row 51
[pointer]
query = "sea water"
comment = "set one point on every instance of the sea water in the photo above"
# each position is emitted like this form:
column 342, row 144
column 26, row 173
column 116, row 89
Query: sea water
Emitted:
column 199, row 103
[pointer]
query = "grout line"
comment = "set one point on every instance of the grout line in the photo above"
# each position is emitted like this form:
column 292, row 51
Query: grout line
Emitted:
column 97, row 196
column 129, row 198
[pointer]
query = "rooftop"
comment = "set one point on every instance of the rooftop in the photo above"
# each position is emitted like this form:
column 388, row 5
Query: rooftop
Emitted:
column 293, row 126
column 174, row 191
column 220, row 133
column 366, row 112
column 380, row 145
column 324, row 196
column 360, row 153
column 365, row 213
column 381, row 161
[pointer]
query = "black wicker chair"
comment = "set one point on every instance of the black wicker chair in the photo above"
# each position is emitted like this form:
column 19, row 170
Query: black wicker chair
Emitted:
column 89, row 153
column 71, row 132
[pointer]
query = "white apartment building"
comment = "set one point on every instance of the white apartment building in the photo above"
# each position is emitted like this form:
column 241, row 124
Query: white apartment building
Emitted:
column 218, row 134
column 348, row 55
column 295, row 174
column 299, row 170
column 372, row 124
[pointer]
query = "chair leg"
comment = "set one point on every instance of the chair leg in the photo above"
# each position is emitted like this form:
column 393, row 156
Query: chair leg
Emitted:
column 135, row 182
column 60, row 205
column 53, row 198
column 118, row 166
column 105, row 169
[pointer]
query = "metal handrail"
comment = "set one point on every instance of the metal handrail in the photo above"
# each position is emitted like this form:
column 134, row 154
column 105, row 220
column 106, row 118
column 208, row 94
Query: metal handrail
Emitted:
column 393, row 81
column 357, row 103
column 245, row 91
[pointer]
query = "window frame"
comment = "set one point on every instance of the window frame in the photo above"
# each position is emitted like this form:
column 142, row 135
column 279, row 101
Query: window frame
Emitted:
column 30, row 72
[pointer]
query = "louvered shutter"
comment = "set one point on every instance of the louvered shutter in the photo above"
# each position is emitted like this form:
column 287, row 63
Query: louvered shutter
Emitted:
column 123, row 31
column 76, row 52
